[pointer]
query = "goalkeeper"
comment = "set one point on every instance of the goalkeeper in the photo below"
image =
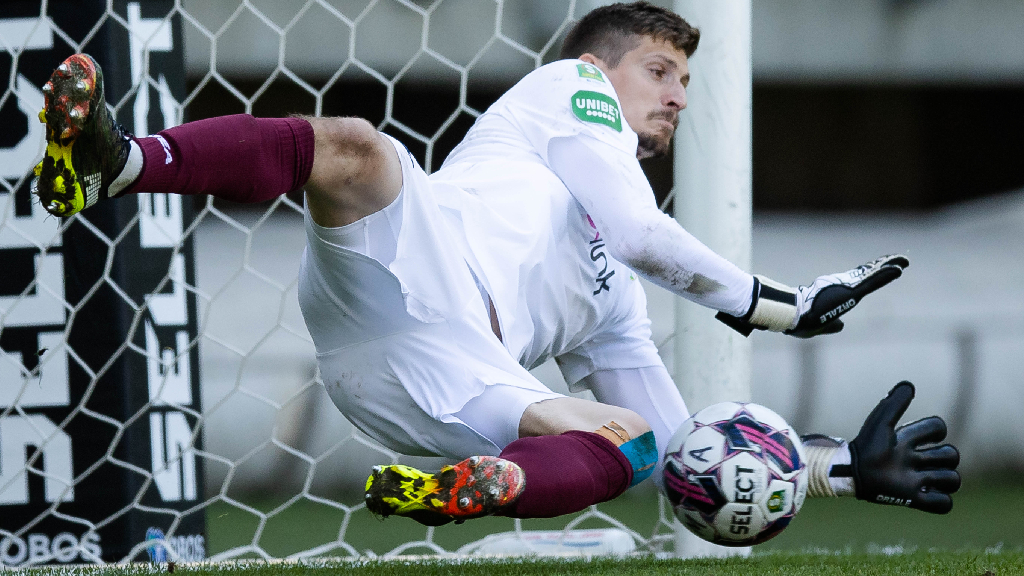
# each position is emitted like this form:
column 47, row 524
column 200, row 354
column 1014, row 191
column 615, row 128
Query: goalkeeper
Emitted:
column 430, row 298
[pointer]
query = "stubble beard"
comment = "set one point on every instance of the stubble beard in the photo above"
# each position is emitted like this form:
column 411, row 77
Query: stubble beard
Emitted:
column 656, row 145
column 651, row 146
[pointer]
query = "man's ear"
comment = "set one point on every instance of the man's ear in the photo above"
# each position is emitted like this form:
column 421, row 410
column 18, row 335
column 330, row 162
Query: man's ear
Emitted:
column 590, row 58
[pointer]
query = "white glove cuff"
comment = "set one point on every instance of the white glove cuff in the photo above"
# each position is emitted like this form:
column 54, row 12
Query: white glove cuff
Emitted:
column 819, row 462
column 821, row 457
column 841, row 485
column 775, row 308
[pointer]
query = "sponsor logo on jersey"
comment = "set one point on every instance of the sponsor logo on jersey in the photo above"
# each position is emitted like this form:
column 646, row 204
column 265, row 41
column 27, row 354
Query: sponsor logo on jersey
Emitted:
column 590, row 72
column 597, row 108
column 597, row 255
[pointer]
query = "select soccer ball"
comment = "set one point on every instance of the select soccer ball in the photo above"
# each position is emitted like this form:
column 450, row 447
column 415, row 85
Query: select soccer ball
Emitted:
column 735, row 474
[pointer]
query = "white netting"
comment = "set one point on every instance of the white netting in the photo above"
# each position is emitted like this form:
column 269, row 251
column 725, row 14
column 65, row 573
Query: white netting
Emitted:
column 283, row 469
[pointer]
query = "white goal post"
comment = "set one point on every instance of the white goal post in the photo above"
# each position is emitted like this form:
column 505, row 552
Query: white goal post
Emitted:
column 210, row 400
column 713, row 182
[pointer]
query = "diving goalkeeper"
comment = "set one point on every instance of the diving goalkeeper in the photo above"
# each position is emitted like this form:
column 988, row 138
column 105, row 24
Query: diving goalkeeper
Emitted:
column 429, row 298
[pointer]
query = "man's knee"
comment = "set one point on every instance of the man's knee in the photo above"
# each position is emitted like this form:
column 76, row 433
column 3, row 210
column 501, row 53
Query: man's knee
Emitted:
column 346, row 139
column 633, row 423
column 559, row 415
column 624, row 428
column 356, row 171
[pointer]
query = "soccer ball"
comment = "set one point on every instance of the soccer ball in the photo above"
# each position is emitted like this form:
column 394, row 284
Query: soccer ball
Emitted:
column 735, row 474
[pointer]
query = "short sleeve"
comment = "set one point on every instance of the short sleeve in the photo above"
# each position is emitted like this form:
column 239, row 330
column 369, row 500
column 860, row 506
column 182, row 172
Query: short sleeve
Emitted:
column 564, row 99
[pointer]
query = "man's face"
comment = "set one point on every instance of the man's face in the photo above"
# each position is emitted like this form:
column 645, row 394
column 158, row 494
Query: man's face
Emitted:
column 650, row 81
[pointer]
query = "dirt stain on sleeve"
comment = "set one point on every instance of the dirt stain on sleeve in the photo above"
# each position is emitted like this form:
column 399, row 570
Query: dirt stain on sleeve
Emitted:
column 701, row 285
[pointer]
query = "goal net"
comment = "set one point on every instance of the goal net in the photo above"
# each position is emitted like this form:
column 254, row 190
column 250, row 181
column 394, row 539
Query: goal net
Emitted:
column 159, row 397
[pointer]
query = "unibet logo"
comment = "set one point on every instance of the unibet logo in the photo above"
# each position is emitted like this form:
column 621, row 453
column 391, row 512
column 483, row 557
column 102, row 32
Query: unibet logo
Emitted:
column 590, row 72
column 777, row 501
column 597, row 108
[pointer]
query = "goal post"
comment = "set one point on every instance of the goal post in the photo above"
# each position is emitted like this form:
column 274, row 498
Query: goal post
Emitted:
column 712, row 201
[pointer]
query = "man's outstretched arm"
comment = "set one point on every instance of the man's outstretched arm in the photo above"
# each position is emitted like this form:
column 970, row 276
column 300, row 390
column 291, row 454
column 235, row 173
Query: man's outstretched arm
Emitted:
column 615, row 193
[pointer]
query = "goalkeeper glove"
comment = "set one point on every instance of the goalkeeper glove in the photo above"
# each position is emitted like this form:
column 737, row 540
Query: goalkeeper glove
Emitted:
column 815, row 309
column 889, row 464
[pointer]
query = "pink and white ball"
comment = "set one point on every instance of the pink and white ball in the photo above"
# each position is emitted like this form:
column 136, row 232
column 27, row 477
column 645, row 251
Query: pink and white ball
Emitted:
column 735, row 474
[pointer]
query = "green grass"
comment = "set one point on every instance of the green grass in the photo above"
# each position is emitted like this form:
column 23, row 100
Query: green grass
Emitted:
column 938, row 563
column 985, row 515
column 983, row 536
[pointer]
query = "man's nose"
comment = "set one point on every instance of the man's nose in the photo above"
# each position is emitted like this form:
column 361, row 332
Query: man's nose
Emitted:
column 676, row 97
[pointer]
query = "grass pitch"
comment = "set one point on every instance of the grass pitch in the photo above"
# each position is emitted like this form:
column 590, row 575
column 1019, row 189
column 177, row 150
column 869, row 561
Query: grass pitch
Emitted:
column 938, row 563
column 987, row 514
column 983, row 536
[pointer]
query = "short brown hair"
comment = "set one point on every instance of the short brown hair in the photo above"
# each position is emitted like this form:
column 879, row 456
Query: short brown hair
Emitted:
column 609, row 32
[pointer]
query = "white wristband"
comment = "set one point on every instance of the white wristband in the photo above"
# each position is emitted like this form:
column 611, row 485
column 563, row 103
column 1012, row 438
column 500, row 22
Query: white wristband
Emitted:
column 841, row 485
column 824, row 452
column 775, row 308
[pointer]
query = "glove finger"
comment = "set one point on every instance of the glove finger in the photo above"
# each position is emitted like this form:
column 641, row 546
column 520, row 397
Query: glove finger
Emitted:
column 832, row 327
column 934, row 502
column 894, row 260
column 930, row 430
column 890, row 409
column 876, row 280
column 947, row 481
column 937, row 458
column 875, row 274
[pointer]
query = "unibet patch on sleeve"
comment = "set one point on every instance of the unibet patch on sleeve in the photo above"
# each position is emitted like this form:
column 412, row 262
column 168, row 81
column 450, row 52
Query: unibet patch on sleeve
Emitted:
column 590, row 72
column 597, row 108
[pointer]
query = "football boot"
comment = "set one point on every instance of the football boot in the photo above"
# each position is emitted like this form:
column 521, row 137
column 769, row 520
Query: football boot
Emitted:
column 85, row 148
column 475, row 487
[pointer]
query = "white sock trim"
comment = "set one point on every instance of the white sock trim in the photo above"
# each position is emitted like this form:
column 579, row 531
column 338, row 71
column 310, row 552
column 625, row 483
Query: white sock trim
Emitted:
column 130, row 173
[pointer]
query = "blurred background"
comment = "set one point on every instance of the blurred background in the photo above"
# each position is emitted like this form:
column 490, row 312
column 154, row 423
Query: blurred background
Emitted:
column 879, row 126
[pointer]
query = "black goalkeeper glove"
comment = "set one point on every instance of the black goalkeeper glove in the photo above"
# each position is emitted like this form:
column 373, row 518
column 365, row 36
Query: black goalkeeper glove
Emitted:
column 815, row 309
column 902, row 466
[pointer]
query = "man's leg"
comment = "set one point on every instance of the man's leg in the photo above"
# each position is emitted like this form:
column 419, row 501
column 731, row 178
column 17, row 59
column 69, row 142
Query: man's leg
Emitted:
column 348, row 168
column 648, row 391
column 576, row 453
column 572, row 453
column 356, row 171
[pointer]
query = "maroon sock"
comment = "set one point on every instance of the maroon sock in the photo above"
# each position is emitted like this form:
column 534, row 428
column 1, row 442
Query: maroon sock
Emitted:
column 239, row 158
column 566, row 473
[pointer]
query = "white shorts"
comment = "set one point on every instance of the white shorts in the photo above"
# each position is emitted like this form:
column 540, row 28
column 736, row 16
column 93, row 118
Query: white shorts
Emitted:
column 437, row 383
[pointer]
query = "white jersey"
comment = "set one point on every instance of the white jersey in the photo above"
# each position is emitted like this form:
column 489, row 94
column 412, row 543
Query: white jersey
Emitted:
column 557, row 290
column 394, row 301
